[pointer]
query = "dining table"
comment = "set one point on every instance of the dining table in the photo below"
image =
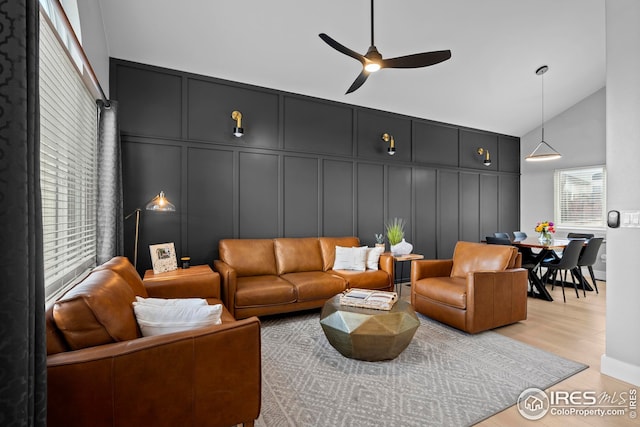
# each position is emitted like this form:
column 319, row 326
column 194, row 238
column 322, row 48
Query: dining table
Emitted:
column 545, row 251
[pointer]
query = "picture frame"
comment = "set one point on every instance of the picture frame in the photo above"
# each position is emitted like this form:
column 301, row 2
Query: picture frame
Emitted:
column 163, row 257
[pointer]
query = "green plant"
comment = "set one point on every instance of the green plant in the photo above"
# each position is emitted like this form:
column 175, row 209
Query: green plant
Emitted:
column 379, row 238
column 395, row 231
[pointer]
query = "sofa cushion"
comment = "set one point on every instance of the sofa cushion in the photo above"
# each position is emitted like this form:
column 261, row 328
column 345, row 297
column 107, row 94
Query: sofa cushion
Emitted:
column 350, row 258
column 155, row 319
column 470, row 257
column 249, row 257
column 264, row 290
column 451, row 291
column 124, row 268
column 373, row 258
column 370, row 279
column 54, row 338
column 315, row 285
column 297, row 254
column 328, row 248
column 97, row 311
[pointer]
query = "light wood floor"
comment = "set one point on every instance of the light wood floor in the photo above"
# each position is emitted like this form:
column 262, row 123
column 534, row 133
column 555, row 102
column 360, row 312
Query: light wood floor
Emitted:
column 574, row 330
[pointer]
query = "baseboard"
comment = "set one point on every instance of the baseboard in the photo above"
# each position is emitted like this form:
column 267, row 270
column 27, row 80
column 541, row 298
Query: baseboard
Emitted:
column 621, row 370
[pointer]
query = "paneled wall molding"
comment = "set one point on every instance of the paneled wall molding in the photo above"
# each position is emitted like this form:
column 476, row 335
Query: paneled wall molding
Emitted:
column 304, row 167
column 141, row 139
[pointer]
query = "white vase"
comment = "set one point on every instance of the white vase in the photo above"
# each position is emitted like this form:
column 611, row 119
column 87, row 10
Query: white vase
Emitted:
column 402, row 248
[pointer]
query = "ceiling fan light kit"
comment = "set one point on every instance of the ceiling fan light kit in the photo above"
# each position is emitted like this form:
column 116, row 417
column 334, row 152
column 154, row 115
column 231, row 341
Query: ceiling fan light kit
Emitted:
column 372, row 61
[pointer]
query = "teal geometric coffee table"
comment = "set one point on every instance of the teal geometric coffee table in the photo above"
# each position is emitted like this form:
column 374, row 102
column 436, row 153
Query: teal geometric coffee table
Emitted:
column 368, row 334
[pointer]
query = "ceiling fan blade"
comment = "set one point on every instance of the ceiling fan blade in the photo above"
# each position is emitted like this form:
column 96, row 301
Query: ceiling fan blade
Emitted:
column 359, row 81
column 417, row 60
column 341, row 48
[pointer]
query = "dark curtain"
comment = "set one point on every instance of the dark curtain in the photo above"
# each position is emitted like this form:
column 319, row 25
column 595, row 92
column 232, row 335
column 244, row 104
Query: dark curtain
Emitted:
column 109, row 209
column 23, row 370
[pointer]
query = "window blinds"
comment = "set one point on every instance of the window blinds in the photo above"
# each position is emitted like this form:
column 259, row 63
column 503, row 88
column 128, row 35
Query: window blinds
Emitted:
column 580, row 197
column 68, row 139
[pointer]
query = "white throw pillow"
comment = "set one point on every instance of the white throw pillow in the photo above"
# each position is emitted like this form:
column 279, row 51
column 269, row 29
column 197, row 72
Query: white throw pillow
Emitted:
column 158, row 320
column 184, row 302
column 373, row 257
column 350, row 258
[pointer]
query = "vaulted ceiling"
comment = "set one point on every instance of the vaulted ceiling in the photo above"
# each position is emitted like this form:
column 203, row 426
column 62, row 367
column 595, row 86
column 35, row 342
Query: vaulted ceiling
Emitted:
column 489, row 83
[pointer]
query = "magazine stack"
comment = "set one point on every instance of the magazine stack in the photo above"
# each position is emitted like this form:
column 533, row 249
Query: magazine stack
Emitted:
column 365, row 298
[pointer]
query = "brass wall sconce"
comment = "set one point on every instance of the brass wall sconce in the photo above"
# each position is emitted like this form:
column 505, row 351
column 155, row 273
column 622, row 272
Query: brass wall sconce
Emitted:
column 392, row 144
column 487, row 160
column 238, row 131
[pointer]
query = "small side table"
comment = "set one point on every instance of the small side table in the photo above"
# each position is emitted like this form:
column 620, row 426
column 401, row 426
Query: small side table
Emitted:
column 192, row 280
column 402, row 259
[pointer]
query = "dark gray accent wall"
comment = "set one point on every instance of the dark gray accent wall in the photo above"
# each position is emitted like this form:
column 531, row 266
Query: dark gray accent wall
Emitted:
column 305, row 167
column 338, row 205
column 301, row 197
column 449, row 213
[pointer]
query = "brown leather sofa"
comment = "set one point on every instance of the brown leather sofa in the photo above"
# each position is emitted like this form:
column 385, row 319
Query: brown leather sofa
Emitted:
column 102, row 372
column 269, row 276
column 482, row 287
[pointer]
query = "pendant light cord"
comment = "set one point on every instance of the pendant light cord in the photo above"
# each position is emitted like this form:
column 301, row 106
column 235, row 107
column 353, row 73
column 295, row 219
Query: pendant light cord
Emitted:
column 542, row 76
column 372, row 44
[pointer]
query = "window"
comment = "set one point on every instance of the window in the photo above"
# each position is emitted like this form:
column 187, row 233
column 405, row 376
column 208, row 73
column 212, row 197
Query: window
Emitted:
column 68, row 139
column 580, row 197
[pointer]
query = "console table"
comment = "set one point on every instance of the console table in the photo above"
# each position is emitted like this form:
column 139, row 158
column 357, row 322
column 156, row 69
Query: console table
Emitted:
column 196, row 275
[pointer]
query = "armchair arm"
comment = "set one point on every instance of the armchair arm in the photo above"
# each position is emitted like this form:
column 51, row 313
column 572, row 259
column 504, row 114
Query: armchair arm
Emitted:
column 496, row 298
column 386, row 264
column 229, row 284
column 422, row 269
column 205, row 377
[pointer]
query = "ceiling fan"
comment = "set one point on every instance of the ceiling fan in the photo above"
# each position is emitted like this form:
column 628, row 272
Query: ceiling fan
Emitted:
column 372, row 61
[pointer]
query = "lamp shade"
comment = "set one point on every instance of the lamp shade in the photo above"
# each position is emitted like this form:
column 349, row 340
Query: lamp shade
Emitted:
column 160, row 204
column 543, row 152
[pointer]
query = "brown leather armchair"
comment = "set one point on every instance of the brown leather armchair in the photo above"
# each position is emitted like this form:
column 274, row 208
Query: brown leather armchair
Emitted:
column 102, row 372
column 481, row 288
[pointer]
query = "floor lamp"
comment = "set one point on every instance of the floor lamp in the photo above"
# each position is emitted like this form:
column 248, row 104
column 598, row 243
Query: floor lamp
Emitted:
column 158, row 204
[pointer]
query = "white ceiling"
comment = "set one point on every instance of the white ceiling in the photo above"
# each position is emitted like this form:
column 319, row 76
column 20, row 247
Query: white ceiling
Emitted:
column 489, row 83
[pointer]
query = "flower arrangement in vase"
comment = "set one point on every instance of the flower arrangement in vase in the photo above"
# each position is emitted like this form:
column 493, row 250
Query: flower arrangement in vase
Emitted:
column 545, row 228
column 395, row 236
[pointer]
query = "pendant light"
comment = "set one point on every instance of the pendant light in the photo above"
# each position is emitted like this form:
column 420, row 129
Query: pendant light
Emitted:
column 543, row 151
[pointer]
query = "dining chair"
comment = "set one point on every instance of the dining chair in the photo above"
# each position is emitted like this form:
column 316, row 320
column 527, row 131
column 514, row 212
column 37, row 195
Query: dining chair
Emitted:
column 498, row 240
column 502, row 235
column 528, row 257
column 519, row 235
column 568, row 262
column 588, row 257
column 527, row 253
column 579, row 235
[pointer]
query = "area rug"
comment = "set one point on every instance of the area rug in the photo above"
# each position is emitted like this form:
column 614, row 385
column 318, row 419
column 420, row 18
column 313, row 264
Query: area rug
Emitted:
column 444, row 377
